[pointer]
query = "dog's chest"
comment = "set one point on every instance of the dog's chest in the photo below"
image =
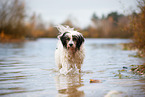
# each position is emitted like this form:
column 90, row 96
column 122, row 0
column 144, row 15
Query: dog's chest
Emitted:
column 73, row 58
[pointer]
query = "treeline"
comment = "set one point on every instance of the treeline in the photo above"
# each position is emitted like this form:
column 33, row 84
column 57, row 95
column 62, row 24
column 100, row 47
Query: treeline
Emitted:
column 13, row 24
column 114, row 25
column 111, row 26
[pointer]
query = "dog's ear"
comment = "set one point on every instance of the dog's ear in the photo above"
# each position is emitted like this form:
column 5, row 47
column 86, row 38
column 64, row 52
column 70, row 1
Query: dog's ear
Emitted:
column 80, row 40
column 63, row 39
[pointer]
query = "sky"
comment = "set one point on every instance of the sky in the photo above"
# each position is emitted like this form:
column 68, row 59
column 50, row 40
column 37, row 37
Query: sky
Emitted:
column 79, row 11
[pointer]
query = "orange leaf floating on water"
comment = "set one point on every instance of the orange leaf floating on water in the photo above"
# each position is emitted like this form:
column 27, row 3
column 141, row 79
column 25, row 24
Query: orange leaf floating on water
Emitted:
column 95, row 81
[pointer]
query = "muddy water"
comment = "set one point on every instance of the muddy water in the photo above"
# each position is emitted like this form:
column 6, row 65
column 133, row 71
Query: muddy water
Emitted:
column 28, row 69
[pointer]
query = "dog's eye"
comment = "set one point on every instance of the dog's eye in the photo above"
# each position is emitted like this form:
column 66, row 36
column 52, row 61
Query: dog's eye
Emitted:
column 74, row 39
column 67, row 38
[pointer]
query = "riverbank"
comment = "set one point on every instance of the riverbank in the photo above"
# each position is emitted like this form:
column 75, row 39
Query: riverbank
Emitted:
column 12, row 40
column 137, row 69
column 132, row 46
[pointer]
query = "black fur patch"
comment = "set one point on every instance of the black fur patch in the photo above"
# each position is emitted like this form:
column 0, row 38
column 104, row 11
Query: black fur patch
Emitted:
column 63, row 39
column 80, row 40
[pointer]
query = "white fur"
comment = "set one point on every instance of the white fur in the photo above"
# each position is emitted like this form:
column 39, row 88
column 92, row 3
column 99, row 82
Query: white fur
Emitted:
column 66, row 60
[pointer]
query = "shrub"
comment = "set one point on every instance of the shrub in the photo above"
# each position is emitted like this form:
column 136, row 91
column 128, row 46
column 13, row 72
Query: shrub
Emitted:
column 138, row 28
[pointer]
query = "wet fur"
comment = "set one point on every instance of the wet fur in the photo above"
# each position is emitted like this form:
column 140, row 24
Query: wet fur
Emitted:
column 67, row 57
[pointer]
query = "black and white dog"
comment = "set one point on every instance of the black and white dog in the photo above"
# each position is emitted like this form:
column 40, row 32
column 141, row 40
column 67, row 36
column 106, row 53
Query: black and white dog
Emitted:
column 69, row 54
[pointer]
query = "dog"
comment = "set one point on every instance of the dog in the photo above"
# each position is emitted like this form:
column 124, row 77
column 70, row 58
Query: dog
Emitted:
column 69, row 54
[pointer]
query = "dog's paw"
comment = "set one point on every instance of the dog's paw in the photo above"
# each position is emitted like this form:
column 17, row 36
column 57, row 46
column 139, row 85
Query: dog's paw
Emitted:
column 63, row 71
column 70, row 71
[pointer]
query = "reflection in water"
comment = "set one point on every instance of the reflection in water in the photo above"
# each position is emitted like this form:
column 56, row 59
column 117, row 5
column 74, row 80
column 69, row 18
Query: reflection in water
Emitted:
column 67, row 85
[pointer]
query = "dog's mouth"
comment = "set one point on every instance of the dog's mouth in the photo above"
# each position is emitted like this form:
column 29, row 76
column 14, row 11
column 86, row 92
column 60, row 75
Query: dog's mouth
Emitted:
column 72, row 49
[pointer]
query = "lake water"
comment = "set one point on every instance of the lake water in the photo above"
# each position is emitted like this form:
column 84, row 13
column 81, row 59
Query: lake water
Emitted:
column 28, row 70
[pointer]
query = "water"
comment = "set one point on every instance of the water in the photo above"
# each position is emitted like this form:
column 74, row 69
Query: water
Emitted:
column 28, row 69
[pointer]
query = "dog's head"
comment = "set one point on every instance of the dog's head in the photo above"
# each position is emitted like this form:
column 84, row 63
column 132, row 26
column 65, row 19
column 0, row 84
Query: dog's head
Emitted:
column 70, row 39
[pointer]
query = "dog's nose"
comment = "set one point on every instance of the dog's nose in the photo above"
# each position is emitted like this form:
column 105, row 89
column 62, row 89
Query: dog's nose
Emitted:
column 71, row 45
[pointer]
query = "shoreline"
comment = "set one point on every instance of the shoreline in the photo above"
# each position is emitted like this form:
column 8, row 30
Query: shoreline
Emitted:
column 16, row 40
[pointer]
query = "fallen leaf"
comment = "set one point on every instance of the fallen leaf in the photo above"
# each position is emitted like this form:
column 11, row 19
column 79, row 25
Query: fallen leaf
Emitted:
column 95, row 81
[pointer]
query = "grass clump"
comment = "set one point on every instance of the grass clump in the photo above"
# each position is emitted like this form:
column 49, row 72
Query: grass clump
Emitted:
column 139, row 69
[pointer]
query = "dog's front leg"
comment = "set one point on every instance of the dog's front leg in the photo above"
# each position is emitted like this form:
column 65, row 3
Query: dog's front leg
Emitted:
column 65, row 68
column 78, row 66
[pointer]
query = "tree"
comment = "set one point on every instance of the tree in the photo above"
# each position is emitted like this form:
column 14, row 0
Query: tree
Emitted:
column 12, row 14
column 115, row 16
column 94, row 17
column 68, row 22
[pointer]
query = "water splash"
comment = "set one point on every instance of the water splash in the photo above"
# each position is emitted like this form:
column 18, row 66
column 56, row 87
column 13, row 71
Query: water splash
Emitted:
column 74, row 70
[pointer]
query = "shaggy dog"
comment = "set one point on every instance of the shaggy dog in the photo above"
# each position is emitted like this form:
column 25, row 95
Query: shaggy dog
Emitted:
column 69, row 54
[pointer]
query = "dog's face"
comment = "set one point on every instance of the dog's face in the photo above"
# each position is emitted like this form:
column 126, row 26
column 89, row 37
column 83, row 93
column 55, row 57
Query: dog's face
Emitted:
column 72, row 41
